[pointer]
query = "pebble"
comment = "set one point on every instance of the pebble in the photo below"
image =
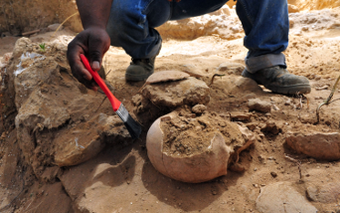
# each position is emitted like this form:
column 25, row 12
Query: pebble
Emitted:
column 276, row 108
column 241, row 116
column 274, row 174
column 271, row 127
column 199, row 108
column 251, row 126
column 259, row 105
column 288, row 102
column 54, row 27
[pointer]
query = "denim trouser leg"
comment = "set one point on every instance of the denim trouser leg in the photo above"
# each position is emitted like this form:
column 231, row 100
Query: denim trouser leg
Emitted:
column 265, row 22
column 190, row 8
column 266, row 26
column 132, row 22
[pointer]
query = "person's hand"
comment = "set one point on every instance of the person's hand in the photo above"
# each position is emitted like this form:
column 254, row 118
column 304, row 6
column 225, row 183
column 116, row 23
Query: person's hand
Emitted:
column 93, row 43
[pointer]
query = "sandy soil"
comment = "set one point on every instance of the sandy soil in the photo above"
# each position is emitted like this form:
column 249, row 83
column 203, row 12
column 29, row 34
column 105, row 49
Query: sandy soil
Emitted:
column 109, row 172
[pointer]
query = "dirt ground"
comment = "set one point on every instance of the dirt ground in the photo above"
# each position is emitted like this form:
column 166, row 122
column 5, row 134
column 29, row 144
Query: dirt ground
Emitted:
column 63, row 149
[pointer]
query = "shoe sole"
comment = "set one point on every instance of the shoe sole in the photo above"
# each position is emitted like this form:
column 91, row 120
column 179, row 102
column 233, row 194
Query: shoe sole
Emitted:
column 291, row 90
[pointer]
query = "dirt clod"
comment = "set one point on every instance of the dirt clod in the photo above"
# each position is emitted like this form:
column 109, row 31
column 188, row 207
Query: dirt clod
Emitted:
column 186, row 135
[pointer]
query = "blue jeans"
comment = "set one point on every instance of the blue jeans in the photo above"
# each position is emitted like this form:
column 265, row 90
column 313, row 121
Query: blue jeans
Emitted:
column 265, row 22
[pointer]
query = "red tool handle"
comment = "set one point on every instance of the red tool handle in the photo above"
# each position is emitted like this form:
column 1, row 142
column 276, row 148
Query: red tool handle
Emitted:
column 114, row 101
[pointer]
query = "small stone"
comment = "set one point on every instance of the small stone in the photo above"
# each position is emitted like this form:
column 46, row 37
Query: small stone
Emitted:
column 292, row 8
column 288, row 102
column 251, row 126
column 312, row 193
column 276, row 108
column 305, row 28
column 274, row 175
column 271, row 127
column 261, row 159
column 199, row 108
column 54, row 27
column 241, row 116
column 231, row 68
column 259, row 105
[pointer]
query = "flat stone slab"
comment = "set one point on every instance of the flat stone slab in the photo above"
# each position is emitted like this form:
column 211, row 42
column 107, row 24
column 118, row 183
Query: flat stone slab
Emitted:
column 322, row 146
column 190, row 91
column 166, row 76
column 322, row 185
column 281, row 197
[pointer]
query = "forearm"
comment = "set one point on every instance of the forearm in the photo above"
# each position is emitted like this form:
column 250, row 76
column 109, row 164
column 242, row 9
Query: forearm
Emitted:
column 94, row 12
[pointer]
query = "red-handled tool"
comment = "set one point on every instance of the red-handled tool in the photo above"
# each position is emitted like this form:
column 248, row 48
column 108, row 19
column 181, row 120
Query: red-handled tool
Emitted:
column 132, row 126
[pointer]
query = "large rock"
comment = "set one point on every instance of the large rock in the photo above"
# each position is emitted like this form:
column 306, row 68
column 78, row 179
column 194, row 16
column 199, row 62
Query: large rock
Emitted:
column 322, row 185
column 323, row 146
column 324, row 193
column 57, row 123
column 281, row 197
column 231, row 68
column 190, row 91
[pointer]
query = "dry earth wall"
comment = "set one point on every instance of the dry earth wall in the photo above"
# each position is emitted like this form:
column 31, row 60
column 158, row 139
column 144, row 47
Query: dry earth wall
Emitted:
column 20, row 16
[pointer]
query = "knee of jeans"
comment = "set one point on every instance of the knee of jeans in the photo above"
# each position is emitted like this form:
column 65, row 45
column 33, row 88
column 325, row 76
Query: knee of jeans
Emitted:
column 125, row 24
column 116, row 33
